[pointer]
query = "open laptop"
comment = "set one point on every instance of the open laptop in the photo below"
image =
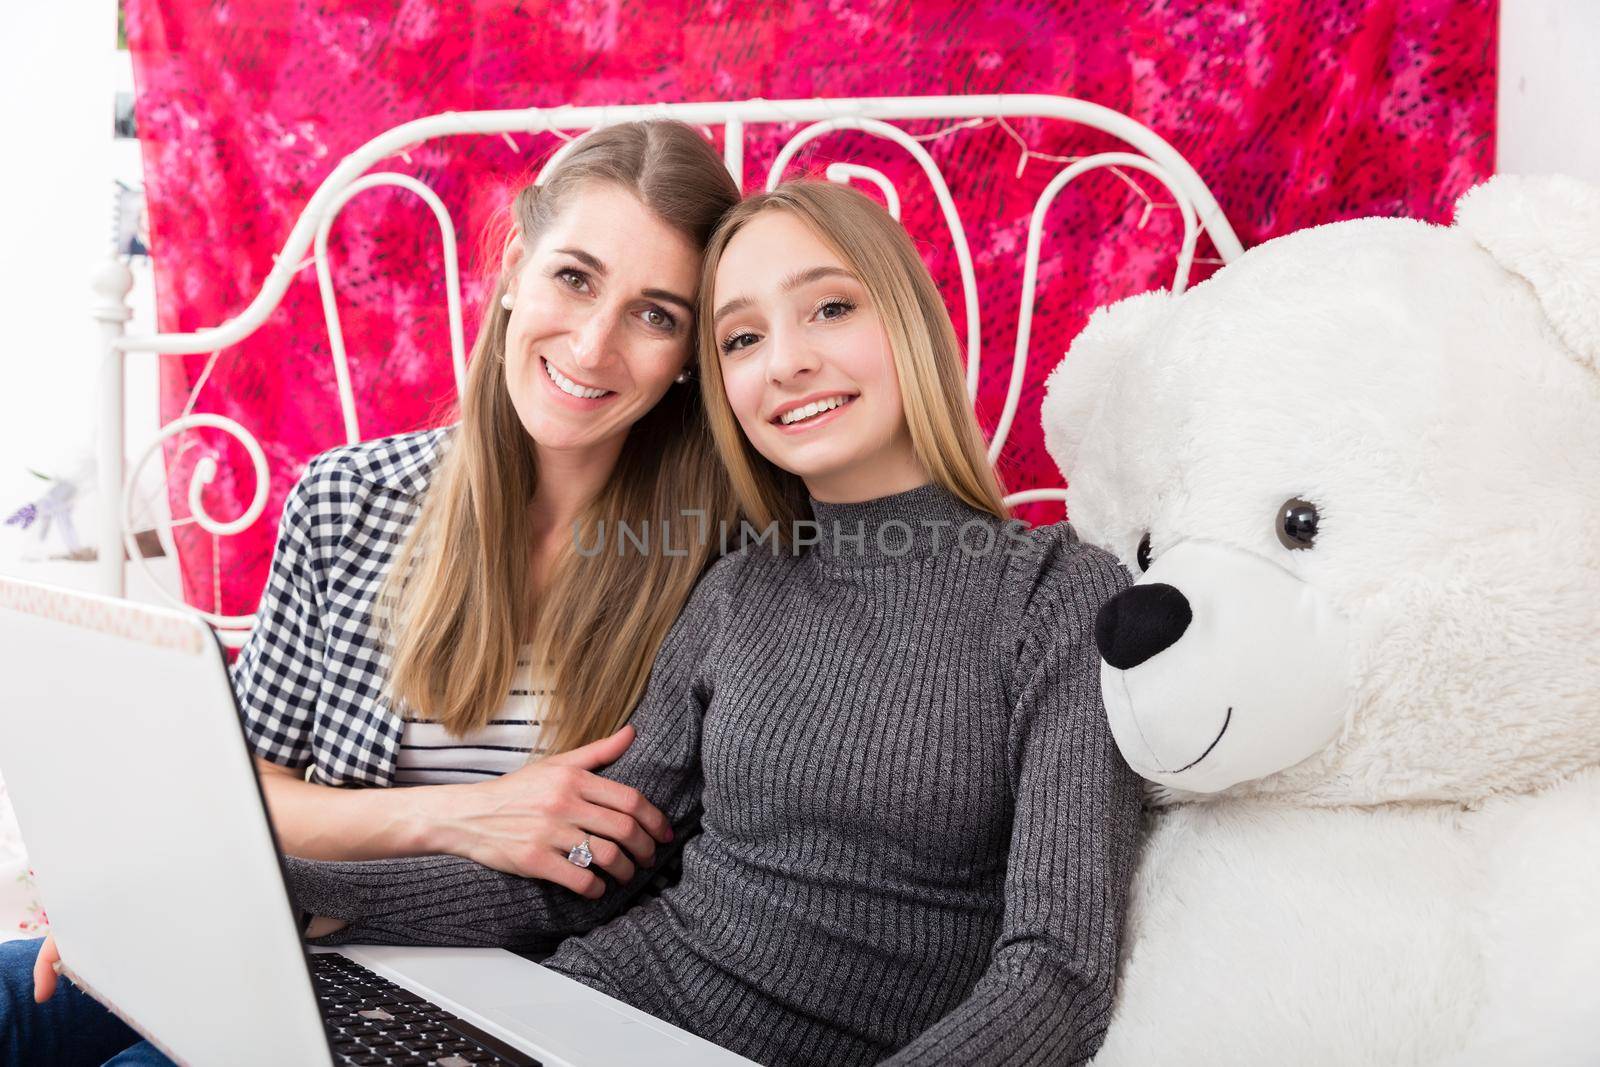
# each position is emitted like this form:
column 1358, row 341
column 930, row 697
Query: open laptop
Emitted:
column 121, row 745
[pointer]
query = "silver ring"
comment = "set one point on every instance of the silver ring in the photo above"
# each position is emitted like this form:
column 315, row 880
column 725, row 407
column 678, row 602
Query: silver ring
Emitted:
column 579, row 855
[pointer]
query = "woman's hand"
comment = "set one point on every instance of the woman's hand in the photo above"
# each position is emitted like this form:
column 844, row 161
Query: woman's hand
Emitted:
column 44, row 970
column 323, row 925
column 525, row 822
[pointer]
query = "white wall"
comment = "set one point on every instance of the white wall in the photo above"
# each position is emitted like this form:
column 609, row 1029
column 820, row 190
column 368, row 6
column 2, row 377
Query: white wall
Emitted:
column 1549, row 106
column 56, row 221
column 59, row 70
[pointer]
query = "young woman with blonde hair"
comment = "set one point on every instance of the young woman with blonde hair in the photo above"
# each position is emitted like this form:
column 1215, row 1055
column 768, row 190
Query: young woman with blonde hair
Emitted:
column 427, row 621
column 917, row 833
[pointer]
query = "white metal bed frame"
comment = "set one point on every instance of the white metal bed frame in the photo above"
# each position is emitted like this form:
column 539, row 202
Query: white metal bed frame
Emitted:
column 1150, row 154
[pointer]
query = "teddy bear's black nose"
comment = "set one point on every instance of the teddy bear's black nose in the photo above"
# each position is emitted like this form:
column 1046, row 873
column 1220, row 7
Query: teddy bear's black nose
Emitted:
column 1139, row 622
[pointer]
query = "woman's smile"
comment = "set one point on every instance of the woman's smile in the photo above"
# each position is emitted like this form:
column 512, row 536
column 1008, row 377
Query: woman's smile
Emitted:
column 809, row 412
column 580, row 395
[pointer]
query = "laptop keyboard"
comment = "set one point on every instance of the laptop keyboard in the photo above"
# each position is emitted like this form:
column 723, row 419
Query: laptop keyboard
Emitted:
column 373, row 1021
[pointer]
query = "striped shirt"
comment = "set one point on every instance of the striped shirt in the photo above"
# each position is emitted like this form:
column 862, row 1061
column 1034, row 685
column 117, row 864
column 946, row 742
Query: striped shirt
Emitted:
column 431, row 755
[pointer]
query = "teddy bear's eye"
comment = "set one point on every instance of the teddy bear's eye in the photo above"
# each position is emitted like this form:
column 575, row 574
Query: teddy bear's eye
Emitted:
column 1142, row 557
column 1297, row 524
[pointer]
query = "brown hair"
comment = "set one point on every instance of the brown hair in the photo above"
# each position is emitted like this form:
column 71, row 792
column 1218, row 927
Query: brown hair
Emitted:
column 922, row 342
column 455, row 606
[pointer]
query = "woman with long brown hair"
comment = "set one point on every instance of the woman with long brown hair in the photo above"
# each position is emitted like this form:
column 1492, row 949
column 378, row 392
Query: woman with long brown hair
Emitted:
column 440, row 649
column 430, row 619
column 390, row 644
column 917, row 834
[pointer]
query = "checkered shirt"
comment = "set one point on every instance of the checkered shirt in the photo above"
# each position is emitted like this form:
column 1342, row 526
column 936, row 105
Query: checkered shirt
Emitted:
column 310, row 678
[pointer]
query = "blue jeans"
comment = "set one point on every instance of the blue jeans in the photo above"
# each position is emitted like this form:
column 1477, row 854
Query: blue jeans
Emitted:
column 71, row 1029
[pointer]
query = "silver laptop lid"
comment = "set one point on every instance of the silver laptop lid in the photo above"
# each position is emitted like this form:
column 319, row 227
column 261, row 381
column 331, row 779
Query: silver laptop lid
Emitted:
column 121, row 745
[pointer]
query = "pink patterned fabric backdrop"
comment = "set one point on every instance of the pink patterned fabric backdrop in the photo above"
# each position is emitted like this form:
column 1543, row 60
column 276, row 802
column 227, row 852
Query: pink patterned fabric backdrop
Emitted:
column 1294, row 113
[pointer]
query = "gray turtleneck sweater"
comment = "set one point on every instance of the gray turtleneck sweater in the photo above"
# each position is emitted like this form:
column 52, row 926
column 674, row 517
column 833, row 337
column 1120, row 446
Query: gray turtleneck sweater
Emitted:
column 916, row 833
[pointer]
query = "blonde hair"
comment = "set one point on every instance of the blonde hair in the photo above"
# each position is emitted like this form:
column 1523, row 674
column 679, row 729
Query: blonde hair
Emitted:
column 927, row 357
column 457, row 603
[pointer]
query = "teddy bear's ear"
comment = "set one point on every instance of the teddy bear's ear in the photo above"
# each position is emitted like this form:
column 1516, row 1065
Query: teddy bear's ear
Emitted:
column 1076, row 384
column 1547, row 230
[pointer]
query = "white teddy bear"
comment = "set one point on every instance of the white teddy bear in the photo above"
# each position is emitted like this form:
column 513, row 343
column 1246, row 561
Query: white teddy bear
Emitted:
column 1357, row 477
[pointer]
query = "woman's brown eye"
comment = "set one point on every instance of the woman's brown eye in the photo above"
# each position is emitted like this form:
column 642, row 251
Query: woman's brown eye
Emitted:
column 1297, row 524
